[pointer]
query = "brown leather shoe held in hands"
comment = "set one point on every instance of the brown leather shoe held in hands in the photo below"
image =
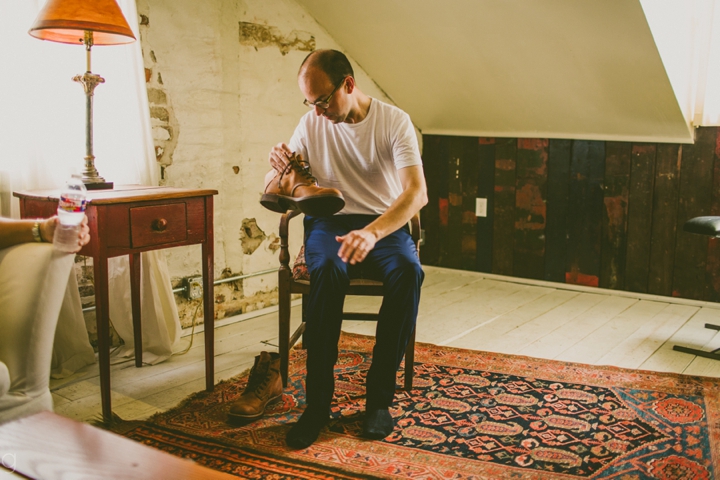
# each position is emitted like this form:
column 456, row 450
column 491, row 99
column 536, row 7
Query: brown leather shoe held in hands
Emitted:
column 264, row 386
column 296, row 189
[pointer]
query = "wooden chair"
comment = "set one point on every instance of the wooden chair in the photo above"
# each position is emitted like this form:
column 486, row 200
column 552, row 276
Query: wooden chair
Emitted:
column 287, row 285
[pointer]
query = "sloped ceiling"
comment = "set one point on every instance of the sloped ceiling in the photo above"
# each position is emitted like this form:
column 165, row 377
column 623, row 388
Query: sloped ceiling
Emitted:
column 583, row 69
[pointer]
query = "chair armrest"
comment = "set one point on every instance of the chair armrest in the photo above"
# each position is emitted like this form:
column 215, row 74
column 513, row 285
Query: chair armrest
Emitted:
column 4, row 379
column 284, row 233
column 703, row 226
column 415, row 230
column 285, row 222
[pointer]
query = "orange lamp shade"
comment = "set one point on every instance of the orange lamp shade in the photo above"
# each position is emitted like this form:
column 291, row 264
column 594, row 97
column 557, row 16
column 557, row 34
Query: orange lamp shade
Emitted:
column 66, row 21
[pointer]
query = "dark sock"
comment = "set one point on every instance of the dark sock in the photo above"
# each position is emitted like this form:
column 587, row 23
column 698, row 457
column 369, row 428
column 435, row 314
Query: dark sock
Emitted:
column 378, row 423
column 307, row 429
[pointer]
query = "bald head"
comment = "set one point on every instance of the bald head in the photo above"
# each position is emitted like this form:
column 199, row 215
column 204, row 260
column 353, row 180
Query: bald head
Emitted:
column 333, row 63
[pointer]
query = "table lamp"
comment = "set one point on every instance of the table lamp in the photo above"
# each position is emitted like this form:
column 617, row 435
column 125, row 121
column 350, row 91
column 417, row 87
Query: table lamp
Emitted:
column 86, row 22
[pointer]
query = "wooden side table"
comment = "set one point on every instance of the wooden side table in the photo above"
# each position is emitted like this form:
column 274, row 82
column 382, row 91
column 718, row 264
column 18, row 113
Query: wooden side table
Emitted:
column 127, row 221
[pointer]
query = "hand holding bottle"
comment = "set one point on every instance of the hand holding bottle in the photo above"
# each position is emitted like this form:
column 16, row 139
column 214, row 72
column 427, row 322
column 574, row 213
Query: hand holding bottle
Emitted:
column 49, row 226
column 70, row 229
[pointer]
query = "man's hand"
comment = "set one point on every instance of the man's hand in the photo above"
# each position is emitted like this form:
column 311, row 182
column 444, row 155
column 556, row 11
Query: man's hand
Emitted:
column 356, row 245
column 279, row 156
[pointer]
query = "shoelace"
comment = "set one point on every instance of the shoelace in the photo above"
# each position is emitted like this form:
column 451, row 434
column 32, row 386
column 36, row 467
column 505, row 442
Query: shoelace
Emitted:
column 300, row 166
column 258, row 378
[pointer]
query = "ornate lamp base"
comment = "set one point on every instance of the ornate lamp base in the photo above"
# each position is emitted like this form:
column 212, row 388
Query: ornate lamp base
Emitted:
column 91, row 178
column 99, row 186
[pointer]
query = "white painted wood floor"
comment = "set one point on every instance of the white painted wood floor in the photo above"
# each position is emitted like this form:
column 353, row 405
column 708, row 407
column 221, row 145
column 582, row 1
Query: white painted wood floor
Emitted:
column 458, row 308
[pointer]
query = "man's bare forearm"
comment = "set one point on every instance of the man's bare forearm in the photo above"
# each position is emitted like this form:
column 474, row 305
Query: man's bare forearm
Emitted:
column 400, row 212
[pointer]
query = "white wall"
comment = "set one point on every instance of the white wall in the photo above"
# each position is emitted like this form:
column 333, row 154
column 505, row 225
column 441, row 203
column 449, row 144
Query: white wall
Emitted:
column 581, row 69
column 230, row 99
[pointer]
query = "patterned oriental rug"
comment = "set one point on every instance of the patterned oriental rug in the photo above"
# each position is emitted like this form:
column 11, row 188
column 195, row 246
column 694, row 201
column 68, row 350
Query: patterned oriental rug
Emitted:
column 471, row 415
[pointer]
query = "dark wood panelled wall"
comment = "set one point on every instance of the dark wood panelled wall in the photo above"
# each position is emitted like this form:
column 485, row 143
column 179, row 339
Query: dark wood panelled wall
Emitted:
column 605, row 214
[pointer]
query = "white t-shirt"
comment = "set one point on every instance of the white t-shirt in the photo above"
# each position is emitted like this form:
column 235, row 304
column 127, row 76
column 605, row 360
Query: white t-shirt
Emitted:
column 360, row 159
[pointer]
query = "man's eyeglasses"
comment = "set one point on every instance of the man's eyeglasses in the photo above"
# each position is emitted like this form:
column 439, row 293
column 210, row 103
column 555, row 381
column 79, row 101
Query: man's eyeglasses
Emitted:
column 324, row 103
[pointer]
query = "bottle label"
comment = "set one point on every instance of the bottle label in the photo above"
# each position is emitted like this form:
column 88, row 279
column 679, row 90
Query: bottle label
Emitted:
column 71, row 205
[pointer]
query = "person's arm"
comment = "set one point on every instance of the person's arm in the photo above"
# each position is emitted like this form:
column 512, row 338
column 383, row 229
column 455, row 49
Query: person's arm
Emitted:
column 13, row 232
column 356, row 244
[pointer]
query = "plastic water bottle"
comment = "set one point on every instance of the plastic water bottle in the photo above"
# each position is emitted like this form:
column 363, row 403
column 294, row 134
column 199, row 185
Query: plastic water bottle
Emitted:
column 71, row 210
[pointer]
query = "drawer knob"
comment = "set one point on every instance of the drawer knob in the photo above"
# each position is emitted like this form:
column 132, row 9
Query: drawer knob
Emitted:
column 159, row 225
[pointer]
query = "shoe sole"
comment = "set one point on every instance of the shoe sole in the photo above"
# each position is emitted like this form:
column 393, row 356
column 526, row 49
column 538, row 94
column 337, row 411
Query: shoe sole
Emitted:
column 315, row 206
column 276, row 203
column 235, row 416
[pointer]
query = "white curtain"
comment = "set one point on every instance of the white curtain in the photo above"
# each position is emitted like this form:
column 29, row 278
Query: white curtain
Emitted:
column 42, row 141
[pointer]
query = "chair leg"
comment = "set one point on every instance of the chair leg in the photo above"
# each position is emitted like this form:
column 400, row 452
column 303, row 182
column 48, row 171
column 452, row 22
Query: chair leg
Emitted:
column 410, row 362
column 304, row 317
column 284, row 330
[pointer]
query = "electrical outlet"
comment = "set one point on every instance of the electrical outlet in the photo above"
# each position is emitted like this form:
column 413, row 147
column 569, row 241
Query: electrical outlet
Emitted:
column 193, row 287
column 481, row 207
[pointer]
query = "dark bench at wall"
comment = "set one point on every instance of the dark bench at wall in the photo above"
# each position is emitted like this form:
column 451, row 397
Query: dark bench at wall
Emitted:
column 703, row 226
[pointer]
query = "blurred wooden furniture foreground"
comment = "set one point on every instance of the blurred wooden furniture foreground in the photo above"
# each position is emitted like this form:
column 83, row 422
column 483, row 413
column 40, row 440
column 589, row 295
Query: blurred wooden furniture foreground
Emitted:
column 46, row 446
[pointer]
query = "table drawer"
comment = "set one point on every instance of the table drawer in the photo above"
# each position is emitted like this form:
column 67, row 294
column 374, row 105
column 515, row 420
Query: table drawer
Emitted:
column 158, row 224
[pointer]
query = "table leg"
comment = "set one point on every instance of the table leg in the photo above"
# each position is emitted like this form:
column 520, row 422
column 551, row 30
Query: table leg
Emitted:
column 102, row 317
column 208, row 254
column 135, row 301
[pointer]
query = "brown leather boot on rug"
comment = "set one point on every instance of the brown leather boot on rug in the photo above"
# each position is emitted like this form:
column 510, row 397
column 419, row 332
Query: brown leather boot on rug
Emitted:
column 264, row 386
column 296, row 189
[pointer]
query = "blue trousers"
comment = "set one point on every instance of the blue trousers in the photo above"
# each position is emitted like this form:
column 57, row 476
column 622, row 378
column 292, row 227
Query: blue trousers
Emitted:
column 394, row 260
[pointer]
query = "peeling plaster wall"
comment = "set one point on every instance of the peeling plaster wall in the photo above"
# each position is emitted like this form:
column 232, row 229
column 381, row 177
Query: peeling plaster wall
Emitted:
column 222, row 88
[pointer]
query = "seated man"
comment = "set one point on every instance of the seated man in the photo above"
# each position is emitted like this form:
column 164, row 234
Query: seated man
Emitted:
column 367, row 150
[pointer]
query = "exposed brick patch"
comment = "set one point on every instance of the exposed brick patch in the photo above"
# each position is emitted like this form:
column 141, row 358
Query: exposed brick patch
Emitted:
column 251, row 236
column 259, row 36
column 229, row 300
column 156, row 96
column 273, row 242
column 165, row 126
column 159, row 113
